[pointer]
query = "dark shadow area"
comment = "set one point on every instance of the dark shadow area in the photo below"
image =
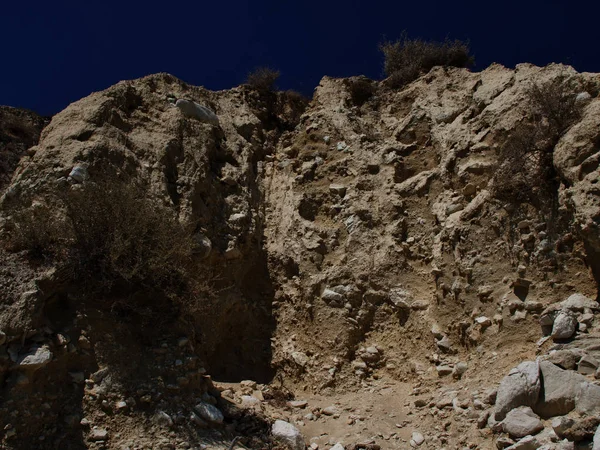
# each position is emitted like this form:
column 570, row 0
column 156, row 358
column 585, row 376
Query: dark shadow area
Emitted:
column 243, row 350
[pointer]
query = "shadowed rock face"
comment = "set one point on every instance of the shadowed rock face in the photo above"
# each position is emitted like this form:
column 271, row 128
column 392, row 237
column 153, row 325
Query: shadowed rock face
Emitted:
column 19, row 130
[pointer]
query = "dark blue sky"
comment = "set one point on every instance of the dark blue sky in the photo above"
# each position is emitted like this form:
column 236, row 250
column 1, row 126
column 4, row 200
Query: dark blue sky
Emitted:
column 54, row 53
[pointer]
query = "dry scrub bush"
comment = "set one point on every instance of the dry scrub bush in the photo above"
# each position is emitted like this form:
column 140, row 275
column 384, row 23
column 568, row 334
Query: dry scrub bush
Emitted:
column 526, row 173
column 119, row 235
column 36, row 231
column 263, row 79
column 406, row 59
column 361, row 90
column 555, row 102
column 289, row 107
column 109, row 235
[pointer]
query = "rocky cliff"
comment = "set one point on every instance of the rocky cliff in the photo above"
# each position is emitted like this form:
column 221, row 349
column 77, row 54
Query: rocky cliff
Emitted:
column 354, row 254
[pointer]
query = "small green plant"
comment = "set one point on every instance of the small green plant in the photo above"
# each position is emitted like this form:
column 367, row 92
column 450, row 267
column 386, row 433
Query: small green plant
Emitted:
column 406, row 59
column 263, row 79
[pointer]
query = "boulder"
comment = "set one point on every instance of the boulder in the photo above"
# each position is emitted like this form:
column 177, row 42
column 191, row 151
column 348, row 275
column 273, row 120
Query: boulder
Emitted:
column 565, row 390
column 209, row 412
column 578, row 303
column 521, row 387
column 596, row 441
column 564, row 325
column 521, row 422
column 196, row 111
column 558, row 397
column 560, row 425
column 587, row 365
column 35, row 359
column 287, row 434
column 566, row 359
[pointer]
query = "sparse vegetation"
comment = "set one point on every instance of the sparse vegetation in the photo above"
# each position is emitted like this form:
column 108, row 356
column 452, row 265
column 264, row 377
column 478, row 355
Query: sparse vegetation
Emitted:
column 527, row 172
column 361, row 90
column 556, row 103
column 108, row 234
column 263, row 79
column 406, row 59
column 290, row 105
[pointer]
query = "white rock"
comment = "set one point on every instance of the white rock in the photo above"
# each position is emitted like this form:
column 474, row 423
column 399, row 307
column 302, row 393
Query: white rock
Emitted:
column 527, row 443
column 193, row 109
column 564, row 326
column 565, row 390
column 444, row 344
column 483, row 321
column 587, row 365
column 209, row 413
column 583, row 97
column 36, row 358
column 443, row 370
column 417, row 438
column 98, row 434
column 79, row 174
column 300, row 358
column 288, row 434
column 332, row 297
column 562, row 424
column 459, row 369
column 337, row 446
column 248, row 401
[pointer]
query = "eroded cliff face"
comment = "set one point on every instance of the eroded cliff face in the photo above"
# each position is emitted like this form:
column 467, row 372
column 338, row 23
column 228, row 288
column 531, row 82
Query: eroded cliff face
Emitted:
column 359, row 243
column 385, row 211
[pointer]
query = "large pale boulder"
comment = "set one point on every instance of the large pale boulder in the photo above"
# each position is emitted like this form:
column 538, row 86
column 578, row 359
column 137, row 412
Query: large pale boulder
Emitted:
column 565, row 390
column 288, row 434
column 564, row 326
column 521, row 387
column 193, row 109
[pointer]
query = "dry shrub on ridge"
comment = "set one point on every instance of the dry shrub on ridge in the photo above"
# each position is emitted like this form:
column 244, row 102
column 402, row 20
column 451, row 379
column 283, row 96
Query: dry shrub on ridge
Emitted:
column 263, row 79
column 526, row 173
column 407, row 59
column 361, row 90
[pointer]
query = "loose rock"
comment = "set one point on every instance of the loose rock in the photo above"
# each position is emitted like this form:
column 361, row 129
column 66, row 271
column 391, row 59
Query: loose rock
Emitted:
column 288, row 434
